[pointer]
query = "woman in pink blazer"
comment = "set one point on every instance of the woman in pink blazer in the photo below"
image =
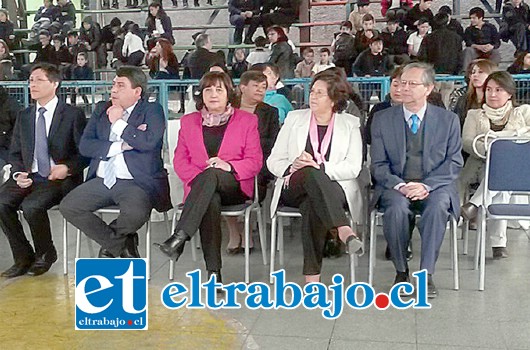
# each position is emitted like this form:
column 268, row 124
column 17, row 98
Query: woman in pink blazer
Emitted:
column 218, row 155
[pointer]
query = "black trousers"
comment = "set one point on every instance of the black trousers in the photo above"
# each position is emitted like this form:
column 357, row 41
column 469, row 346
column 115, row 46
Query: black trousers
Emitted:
column 321, row 202
column 135, row 207
column 34, row 202
column 210, row 190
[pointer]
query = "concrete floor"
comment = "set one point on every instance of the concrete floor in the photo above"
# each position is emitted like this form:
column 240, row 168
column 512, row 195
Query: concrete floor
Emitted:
column 38, row 312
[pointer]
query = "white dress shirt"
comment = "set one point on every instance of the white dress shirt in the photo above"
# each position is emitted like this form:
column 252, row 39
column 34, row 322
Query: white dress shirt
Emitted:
column 131, row 44
column 115, row 150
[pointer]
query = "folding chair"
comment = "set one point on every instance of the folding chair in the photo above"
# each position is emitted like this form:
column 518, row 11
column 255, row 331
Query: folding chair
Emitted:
column 277, row 226
column 244, row 210
column 453, row 226
column 507, row 169
column 114, row 210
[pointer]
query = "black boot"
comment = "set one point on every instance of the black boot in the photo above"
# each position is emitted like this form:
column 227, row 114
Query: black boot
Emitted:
column 130, row 250
column 105, row 5
column 175, row 3
column 196, row 3
column 185, row 3
column 174, row 245
column 209, row 2
column 115, row 5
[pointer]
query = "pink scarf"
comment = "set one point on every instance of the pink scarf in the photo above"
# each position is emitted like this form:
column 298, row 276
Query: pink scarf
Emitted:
column 211, row 119
column 326, row 141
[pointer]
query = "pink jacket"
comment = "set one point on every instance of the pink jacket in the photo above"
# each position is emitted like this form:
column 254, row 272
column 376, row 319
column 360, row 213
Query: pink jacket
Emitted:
column 240, row 147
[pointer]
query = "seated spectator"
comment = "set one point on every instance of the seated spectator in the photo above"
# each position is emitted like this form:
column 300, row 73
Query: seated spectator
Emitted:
column 279, row 13
column 90, row 35
column 260, row 54
column 118, row 59
column 74, row 46
column 81, row 71
column 499, row 116
column 158, row 25
column 478, row 71
column 200, row 60
column 515, row 15
column 108, row 32
column 356, row 17
column 395, row 42
column 133, row 48
column 240, row 66
column 277, row 94
column 396, row 9
column 452, row 23
column 10, row 108
column 482, row 39
column 7, row 28
column 320, row 172
column 418, row 11
column 442, row 48
column 415, row 38
column 373, row 61
column 44, row 17
column 63, row 57
column 304, row 68
column 281, row 52
column 244, row 12
column 343, row 47
column 65, row 21
column 6, row 62
column 362, row 38
column 163, row 64
column 218, row 172
column 324, row 62
column 45, row 51
column 521, row 64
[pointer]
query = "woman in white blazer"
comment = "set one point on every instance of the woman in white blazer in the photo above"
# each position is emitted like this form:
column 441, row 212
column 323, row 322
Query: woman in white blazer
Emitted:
column 317, row 158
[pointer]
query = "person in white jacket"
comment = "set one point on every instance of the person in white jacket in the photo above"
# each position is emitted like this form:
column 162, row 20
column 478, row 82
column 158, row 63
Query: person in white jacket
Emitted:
column 317, row 158
column 133, row 48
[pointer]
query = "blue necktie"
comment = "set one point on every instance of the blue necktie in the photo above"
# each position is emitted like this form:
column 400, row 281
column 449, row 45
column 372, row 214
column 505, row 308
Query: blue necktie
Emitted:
column 415, row 125
column 41, row 145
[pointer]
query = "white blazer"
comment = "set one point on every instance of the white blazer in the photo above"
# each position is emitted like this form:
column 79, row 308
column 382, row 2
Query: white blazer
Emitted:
column 345, row 158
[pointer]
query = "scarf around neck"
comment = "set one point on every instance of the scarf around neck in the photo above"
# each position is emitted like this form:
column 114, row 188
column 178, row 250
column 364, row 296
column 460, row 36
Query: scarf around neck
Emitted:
column 498, row 116
column 326, row 141
column 212, row 119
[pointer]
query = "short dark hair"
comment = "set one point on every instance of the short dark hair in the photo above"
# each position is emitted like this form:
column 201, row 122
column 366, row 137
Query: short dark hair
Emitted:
column 252, row 75
column 477, row 11
column 213, row 79
column 504, row 79
column 52, row 72
column 338, row 88
column 261, row 41
column 44, row 32
column 347, row 24
column 58, row 37
column 260, row 67
column 308, row 50
column 445, row 9
column 368, row 17
column 135, row 75
column 422, row 20
column 82, row 54
column 440, row 20
column 325, row 49
column 72, row 33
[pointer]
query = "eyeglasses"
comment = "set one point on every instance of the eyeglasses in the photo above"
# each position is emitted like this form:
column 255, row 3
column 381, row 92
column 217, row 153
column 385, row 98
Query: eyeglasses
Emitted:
column 318, row 93
column 411, row 84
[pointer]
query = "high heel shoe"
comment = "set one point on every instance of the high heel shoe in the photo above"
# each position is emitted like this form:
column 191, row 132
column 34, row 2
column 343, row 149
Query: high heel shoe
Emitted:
column 174, row 245
column 353, row 244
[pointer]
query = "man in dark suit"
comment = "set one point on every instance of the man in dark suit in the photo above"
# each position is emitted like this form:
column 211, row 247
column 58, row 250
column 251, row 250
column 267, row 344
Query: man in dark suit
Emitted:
column 200, row 60
column 124, row 141
column 46, row 165
column 416, row 159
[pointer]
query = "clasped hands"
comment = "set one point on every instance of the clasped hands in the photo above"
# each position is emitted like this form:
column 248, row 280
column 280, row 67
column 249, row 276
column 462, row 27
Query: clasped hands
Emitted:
column 218, row 163
column 303, row 160
column 414, row 191
column 57, row 172
column 115, row 113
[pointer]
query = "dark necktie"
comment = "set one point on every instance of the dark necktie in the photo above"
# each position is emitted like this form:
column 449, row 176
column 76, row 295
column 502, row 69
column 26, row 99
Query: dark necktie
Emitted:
column 415, row 123
column 41, row 145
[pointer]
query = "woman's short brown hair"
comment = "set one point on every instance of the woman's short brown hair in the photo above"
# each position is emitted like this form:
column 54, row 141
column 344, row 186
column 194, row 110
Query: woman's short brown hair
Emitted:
column 214, row 79
column 338, row 88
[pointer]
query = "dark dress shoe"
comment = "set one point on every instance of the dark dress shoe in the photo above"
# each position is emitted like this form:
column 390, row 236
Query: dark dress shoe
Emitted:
column 400, row 278
column 432, row 292
column 104, row 253
column 469, row 211
column 174, row 245
column 409, row 254
column 196, row 3
column 43, row 263
column 219, row 279
column 130, row 251
column 19, row 269
column 500, row 253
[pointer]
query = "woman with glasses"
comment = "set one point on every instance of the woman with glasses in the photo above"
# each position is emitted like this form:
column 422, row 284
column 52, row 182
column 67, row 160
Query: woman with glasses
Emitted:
column 317, row 158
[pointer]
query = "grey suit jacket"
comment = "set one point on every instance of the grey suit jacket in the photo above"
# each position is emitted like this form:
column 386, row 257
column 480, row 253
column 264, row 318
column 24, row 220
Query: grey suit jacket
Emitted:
column 442, row 158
